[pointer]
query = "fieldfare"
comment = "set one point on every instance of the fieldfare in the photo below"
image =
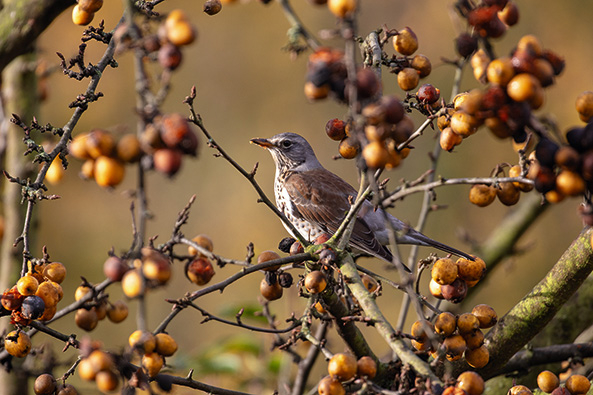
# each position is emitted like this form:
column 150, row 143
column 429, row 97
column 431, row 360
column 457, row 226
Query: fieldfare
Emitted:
column 316, row 201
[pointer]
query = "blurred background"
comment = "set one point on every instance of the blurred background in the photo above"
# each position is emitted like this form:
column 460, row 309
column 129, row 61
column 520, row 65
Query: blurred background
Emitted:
column 248, row 86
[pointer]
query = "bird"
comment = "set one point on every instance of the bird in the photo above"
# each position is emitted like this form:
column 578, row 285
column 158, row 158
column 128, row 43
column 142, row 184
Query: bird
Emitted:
column 316, row 201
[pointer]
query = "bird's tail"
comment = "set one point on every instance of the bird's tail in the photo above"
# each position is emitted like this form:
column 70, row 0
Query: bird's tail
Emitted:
column 414, row 237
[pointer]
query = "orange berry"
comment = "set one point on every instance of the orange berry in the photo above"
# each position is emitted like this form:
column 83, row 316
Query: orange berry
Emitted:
column 547, row 381
column 408, row 79
column 165, row 344
column 471, row 270
column 270, row 291
column 486, row 315
column 108, row 172
column 405, row 42
column 477, row 357
column 341, row 8
column 342, row 366
column 445, row 324
column 81, row 17
column 330, row 386
column 17, row 344
column 482, row 195
column 471, row 382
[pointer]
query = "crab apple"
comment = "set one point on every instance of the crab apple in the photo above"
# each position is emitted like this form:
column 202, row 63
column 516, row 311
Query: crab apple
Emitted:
column 508, row 194
column 106, row 380
column 547, row 381
column 330, row 386
column 269, row 256
column 428, row 93
column 477, row 357
column 55, row 271
column 419, row 330
column 405, row 42
column 375, row 155
column 584, row 106
column 445, row 324
column 454, row 292
column 444, row 271
column 341, row 8
column 466, row 44
column 117, row 311
column 169, row 56
column 474, row 339
column 128, row 148
column 203, row 241
column 81, row 17
column 90, row 5
column 408, row 79
column 27, row 285
column 449, row 139
column 152, row 363
column 167, row 161
column 270, row 291
column 165, row 344
column 435, row 289
column 467, row 323
column 143, row 341
column 335, row 129
column 45, row 384
column 569, row 183
column 212, row 7
column 114, row 268
column 342, row 366
column 349, row 148
column 66, row 389
column 471, row 270
column 108, row 172
column 422, row 64
column 179, row 30
column 200, row 271
column 578, row 384
column 86, row 319
column 482, row 195
column 132, row 283
column 366, row 367
column 486, row 315
column 17, row 344
column 454, row 346
column 471, row 382
column 315, row 282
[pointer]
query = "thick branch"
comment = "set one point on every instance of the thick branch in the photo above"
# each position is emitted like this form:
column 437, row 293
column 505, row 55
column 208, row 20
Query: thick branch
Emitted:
column 22, row 21
column 538, row 307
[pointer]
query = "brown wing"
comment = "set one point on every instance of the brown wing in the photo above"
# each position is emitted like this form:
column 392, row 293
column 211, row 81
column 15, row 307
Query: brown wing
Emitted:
column 321, row 197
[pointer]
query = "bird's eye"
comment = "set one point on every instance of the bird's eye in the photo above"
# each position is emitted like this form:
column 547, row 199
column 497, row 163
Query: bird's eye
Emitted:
column 286, row 143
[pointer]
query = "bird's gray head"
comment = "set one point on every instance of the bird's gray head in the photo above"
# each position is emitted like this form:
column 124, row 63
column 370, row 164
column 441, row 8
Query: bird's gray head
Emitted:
column 290, row 152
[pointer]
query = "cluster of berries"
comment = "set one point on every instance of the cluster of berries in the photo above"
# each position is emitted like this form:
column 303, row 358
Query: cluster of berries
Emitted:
column 345, row 368
column 457, row 336
column 451, row 279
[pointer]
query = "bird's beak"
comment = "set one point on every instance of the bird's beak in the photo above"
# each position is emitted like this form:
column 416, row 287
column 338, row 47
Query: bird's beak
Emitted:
column 262, row 143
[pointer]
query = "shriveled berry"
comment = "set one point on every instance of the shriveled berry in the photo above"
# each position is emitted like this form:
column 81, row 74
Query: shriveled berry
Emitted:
column 32, row 307
column 454, row 292
column 212, row 7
